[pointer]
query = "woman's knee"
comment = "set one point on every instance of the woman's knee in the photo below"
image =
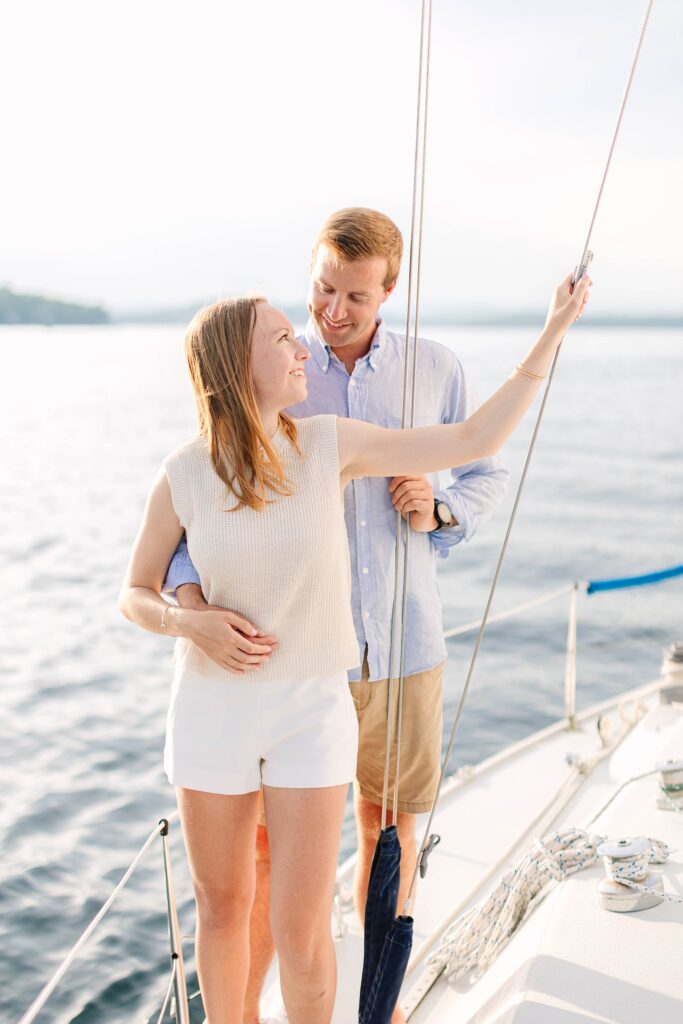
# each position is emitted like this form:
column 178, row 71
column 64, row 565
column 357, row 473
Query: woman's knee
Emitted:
column 303, row 949
column 224, row 906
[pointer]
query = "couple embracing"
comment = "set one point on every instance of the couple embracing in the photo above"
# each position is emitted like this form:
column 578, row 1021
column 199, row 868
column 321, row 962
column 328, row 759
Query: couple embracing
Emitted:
column 287, row 499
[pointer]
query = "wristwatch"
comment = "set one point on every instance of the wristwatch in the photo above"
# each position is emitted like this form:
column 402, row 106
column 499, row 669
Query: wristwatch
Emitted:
column 443, row 514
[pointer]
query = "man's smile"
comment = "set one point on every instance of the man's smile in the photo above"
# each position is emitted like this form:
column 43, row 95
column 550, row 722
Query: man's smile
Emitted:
column 332, row 325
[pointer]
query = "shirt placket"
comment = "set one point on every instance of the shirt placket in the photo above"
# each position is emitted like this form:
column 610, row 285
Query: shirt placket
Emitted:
column 356, row 403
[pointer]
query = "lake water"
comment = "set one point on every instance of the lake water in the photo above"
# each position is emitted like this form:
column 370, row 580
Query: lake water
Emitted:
column 86, row 416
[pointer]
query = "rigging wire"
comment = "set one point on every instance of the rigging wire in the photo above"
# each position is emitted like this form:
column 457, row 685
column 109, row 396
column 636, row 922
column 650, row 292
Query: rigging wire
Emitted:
column 395, row 716
column 582, row 265
column 416, row 340
column 509, row 613
column 166, row 1001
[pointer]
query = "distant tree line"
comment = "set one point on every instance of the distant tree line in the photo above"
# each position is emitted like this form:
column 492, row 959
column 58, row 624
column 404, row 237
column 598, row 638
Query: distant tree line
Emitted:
column 36, row 309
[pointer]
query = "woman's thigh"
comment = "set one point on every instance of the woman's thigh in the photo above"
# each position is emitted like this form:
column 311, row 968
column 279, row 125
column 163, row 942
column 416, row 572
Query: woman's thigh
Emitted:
column 304, row 828
column 220, row 833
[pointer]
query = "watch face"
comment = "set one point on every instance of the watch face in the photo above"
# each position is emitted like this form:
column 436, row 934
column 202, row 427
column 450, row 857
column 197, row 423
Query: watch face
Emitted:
column 444, row 513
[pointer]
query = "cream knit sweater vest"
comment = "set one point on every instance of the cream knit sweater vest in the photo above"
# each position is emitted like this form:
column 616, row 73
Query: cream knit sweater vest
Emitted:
column 286, row 567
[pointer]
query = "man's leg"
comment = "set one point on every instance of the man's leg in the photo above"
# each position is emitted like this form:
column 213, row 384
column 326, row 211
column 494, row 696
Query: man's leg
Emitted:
column 422, row 724
column 261, row 945
column 369, row 821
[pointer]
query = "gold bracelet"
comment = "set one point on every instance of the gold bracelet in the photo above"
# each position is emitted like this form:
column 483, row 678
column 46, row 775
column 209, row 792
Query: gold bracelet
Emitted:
column 521, row 368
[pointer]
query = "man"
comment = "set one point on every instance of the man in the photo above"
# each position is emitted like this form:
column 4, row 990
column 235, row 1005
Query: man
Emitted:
column 356, row 369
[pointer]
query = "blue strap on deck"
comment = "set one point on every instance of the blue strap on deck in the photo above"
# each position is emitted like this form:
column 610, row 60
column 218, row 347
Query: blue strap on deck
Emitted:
column 634, row 581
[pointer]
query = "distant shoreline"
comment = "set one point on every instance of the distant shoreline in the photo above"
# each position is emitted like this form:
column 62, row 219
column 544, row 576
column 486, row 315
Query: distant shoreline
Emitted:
column 16, row 308
column 435, row 318
column 38, row 310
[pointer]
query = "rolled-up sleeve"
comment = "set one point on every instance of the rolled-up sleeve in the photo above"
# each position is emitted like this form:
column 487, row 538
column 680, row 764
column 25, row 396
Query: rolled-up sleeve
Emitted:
column 475, row 489
column 181, row 570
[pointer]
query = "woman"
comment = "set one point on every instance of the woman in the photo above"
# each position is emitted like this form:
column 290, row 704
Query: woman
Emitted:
column 260, row 499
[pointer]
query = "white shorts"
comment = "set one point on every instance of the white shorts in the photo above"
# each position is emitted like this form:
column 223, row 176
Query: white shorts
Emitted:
column 231, row 737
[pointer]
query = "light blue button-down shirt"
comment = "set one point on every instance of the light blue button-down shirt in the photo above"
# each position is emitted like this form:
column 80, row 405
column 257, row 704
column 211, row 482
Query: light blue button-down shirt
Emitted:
column 374, row 392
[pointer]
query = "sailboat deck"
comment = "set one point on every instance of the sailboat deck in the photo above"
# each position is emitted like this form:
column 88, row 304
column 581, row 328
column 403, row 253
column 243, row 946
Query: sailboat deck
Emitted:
column 573, row 961
column 569, row 948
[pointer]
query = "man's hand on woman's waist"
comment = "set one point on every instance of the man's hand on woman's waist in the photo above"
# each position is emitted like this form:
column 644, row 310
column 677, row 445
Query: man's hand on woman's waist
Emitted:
column 229, row 639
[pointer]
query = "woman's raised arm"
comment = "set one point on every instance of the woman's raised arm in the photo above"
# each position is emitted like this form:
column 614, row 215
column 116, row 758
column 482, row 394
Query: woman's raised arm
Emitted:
column 368, row 450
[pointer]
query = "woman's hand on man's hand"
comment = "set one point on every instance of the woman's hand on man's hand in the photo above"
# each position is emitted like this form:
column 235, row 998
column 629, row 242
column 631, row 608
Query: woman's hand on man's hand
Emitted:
column 229, row 639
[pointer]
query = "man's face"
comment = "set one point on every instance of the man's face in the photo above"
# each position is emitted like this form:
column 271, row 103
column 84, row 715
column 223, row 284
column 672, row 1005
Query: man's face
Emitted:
column 344, row 300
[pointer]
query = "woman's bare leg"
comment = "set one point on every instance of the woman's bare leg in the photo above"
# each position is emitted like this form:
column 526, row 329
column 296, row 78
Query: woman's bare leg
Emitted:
column 261, row 946
column 220, row 832
column 304, row 827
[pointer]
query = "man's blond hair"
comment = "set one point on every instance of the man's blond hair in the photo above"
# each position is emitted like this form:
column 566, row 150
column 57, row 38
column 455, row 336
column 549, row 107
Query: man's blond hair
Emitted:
column 357, row 233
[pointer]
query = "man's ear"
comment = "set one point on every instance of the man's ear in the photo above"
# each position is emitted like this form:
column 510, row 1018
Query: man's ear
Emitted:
column 389, row 290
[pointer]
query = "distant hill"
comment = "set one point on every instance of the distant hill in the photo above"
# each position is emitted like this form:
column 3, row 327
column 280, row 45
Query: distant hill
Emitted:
column 434, row 316
column 36, row 309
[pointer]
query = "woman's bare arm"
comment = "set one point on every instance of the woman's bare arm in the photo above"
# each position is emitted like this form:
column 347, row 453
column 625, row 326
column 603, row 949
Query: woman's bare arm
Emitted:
column 157, row 539
column 220, row 634
column 369, row 450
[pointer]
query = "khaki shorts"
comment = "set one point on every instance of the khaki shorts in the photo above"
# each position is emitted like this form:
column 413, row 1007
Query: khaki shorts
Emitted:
column 421, row 734
column 421, row 731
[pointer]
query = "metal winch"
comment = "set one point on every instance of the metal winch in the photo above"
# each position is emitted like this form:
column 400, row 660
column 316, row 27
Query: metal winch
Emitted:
column 627, row 861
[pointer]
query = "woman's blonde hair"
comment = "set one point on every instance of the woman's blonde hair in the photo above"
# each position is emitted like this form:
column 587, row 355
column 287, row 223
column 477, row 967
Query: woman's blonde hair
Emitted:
column 218, row 353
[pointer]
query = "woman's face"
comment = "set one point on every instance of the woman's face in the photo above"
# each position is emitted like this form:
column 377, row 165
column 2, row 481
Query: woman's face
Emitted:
column 277, row 360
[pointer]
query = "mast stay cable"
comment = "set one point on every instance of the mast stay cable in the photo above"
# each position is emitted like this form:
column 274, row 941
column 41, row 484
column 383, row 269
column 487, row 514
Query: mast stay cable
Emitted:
column 585, row 258
column 395, row 717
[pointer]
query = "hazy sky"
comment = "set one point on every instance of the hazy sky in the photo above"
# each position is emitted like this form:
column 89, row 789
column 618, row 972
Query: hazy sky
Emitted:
column 160, row 153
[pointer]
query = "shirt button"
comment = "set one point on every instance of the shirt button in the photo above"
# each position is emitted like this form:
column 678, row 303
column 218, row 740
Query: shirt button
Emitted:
column 365, row 570
column 366, row 615
column 363, row 523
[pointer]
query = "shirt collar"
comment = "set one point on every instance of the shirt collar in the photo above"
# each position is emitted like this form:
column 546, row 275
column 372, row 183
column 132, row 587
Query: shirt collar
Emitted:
column 378, row 344
column 321, row 352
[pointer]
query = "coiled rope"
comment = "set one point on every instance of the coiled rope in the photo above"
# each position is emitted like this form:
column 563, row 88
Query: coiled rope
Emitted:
column 478, row 936
column 427, row 841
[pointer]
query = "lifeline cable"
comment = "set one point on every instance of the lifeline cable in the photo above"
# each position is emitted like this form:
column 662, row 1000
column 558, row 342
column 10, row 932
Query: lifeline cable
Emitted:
column 463, row 697
column 49, row 987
